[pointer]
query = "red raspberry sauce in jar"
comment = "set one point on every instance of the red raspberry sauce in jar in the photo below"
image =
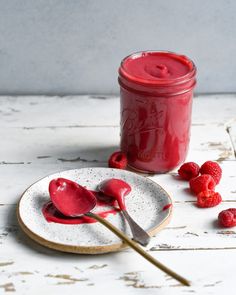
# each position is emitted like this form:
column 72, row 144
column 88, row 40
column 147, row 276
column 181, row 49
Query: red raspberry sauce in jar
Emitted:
column 156, row 89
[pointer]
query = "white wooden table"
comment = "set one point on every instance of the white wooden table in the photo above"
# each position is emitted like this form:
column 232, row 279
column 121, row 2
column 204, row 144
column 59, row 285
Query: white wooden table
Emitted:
column 41, row 135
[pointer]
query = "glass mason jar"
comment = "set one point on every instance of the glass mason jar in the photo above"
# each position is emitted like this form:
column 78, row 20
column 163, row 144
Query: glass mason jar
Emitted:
column 156, row 90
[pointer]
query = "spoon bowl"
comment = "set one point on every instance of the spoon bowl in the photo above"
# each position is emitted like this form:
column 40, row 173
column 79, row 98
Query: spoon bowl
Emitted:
column 70, row 198
column 115, row 188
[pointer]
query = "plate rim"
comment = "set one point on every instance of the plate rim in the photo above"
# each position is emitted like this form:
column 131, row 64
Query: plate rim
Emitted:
column 86, row 249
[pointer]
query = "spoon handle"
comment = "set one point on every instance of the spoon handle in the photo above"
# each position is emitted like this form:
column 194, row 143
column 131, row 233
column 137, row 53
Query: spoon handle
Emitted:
column 139, row 234
column 138, row 249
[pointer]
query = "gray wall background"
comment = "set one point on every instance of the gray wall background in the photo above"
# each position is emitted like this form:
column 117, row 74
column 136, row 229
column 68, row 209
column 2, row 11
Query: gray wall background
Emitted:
column 72, row 47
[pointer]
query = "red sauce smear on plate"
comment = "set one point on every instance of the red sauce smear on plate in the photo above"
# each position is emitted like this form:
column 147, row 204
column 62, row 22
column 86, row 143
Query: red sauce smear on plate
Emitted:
column 51, row 213
column 166, row 207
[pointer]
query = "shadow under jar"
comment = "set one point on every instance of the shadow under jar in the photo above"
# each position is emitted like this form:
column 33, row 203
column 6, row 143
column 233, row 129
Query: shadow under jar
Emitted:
column 156, row 90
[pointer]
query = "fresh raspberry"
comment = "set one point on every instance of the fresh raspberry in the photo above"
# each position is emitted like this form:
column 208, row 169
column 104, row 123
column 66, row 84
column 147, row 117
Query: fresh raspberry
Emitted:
column 202, row 183
column 188, row 170
column 213, row 169
column 118, row 160
column 227, row 218
column 208, row 199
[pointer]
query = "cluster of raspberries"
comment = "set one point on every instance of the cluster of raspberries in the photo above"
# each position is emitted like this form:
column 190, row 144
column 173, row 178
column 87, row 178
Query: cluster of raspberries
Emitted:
column 202, row 182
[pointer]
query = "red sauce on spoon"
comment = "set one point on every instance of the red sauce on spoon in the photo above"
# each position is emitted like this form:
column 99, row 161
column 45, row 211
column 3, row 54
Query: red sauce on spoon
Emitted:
column 117, row 189
column 66, row 195
column 70, row 198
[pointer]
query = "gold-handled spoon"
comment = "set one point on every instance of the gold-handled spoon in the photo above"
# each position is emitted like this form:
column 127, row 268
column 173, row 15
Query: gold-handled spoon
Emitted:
column 74, row 200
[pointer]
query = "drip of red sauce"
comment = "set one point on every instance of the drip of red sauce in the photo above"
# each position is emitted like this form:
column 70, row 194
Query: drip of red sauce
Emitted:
column 166, row 207
column 51, row 214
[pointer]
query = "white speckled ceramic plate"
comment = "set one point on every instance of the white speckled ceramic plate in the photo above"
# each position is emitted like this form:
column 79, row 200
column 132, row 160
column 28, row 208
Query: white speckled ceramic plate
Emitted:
column 145, row 204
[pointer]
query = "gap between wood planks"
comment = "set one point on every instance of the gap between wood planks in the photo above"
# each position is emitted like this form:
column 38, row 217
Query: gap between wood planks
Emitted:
column 169, row 248
column 66, row 126
column 228, row 130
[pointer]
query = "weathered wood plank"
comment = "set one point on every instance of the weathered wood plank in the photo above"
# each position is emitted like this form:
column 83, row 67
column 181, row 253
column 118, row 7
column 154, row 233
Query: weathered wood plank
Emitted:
column 30, row 267
column 190, row 228
column 214, row 109
column 58, row 145
column 16, row 178
column 43, row 111
column 126, row 272
column 29, row 154
column 26, row 146
column 47, row 112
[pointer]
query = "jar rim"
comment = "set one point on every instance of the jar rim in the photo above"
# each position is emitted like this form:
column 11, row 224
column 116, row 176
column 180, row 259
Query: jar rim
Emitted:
column 161, row 82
